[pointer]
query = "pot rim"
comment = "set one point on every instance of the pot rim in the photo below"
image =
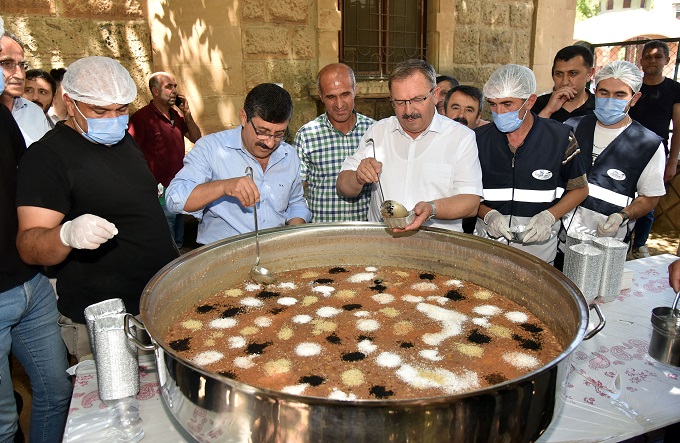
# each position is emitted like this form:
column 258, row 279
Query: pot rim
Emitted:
column 249, row 389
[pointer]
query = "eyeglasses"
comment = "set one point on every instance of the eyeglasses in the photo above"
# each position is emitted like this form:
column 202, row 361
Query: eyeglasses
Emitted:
column 11, row 65
column 264, row 136
column 413, row 101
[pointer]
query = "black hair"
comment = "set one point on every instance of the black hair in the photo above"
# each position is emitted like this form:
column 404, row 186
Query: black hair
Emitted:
column 448, row 78
column 569, row 52
column 32, row 74
column 657, row 44
column 270, row 102
column 58, row 74
column 470, row 91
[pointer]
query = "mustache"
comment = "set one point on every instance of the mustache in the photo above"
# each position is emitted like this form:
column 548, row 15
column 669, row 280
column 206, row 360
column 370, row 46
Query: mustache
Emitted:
column 413, row 115
column 262, row 145
column 461, row 120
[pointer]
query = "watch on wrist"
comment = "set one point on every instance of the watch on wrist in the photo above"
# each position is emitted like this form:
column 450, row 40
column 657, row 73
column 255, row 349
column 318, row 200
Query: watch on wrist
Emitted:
column 625, row 217
column 434, row 210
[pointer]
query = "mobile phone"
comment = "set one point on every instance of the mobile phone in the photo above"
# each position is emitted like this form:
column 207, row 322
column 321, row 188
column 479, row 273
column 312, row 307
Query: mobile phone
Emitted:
column 178, row 101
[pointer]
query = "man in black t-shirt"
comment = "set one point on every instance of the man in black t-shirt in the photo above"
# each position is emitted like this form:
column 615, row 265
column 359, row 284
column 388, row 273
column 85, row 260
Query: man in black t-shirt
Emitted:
column 571, row 71
column 658, row 105
column 87, row 202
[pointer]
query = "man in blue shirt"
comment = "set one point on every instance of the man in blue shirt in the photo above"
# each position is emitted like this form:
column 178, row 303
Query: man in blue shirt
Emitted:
column 212, row 185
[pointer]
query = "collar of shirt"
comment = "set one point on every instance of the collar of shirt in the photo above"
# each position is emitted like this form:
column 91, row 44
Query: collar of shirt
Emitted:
column 19, row 103
column 330, row 126
column 173, row 114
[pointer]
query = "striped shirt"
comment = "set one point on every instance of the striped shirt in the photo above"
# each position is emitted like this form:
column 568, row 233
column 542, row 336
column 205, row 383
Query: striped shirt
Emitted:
column 322, row 149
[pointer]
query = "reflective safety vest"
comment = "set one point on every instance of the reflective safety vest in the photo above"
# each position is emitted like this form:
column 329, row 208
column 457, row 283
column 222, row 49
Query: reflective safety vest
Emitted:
column 528, row 181
column 613, row 176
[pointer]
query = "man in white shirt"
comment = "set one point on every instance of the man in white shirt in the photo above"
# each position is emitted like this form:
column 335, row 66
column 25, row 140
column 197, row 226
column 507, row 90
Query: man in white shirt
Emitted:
column 625, row 173
column 28, row 115
column 421, row 159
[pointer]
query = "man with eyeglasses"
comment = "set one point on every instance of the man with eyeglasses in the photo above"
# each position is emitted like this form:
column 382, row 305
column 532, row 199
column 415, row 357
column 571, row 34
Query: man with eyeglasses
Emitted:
column 29, row 116
column 532, row 170
column 213, row 185
column 420, row 158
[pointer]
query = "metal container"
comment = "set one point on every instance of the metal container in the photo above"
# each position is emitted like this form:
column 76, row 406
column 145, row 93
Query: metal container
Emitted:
column 665, row 343
column 216, row 408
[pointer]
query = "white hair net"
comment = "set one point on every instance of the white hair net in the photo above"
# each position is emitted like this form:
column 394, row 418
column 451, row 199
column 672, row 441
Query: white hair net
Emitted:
column 99, row 81
column 510, row 81
column 622, row 70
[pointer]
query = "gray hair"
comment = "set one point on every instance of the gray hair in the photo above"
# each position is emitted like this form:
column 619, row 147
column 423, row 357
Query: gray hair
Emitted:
column 407, row 68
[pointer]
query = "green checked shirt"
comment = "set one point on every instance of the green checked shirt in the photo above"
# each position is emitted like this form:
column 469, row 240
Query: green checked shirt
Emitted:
column 322, row 149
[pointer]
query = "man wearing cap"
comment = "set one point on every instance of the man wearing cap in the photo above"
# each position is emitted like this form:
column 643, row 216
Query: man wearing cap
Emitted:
column 419, row 158
column 28, row 312
column 626, row 161
column 532, row 171
column 87, row 202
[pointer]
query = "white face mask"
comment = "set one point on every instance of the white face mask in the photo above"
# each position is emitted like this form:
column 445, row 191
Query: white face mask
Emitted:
column 104, row 131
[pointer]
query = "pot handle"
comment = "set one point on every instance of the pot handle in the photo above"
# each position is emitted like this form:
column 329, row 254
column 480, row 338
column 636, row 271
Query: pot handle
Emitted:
column 131, row 335
column 599, row 327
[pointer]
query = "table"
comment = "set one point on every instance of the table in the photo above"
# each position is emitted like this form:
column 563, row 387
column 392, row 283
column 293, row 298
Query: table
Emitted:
column 614, row 389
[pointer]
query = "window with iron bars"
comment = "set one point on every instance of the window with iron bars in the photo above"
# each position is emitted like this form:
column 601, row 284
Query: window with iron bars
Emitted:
column 632, row 51
column 377, row 34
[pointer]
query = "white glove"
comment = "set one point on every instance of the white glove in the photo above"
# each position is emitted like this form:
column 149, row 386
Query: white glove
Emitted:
column 539, row 227
column 87, row 232
column 498, row 225
column 611, row 226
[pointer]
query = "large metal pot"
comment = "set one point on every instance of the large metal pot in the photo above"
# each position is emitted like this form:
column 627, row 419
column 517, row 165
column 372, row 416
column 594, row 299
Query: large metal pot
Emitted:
column 215, row 408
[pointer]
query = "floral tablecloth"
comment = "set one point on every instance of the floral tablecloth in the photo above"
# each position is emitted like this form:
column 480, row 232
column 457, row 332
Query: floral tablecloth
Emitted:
column 614, row 389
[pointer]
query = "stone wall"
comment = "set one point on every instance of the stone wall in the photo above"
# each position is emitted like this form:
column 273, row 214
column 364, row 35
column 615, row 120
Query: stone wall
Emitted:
column 55, row 33
column 220, row 49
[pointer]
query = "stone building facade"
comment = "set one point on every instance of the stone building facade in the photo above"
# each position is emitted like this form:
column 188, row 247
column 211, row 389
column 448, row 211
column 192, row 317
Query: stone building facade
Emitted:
column 220, row 49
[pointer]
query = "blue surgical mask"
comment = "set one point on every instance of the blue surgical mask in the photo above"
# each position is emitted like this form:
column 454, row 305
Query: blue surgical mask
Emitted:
column 610, row 110
column 509, row 121
column 105, row 131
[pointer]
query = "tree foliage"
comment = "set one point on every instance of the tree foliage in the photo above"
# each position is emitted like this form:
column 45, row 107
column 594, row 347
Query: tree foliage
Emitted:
column 586, row 9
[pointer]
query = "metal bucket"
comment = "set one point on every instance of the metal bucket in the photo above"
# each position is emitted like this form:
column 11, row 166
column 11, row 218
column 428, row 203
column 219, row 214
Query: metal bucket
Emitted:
column 665, row 343
column 216, row 408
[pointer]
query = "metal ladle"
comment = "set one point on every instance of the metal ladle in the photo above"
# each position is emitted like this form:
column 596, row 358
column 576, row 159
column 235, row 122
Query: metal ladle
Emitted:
column 388, row 208
column 258, row 273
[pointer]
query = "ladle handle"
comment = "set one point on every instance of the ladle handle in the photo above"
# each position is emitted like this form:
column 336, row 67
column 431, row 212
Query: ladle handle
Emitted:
column 249, row 173
column 675, row 303
column 370, row 140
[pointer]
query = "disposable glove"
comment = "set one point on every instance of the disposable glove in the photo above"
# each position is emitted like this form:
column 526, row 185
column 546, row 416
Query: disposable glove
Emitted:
column 611, row 226
column 539, row 227
column 498, row 225
column 87, row 232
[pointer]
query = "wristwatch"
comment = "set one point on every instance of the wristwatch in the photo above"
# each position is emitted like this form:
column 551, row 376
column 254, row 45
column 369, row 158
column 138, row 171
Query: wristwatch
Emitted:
column 434, row 210
column 625, row 217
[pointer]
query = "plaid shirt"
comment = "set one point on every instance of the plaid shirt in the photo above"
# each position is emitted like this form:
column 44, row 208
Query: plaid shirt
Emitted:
column 322, row 149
